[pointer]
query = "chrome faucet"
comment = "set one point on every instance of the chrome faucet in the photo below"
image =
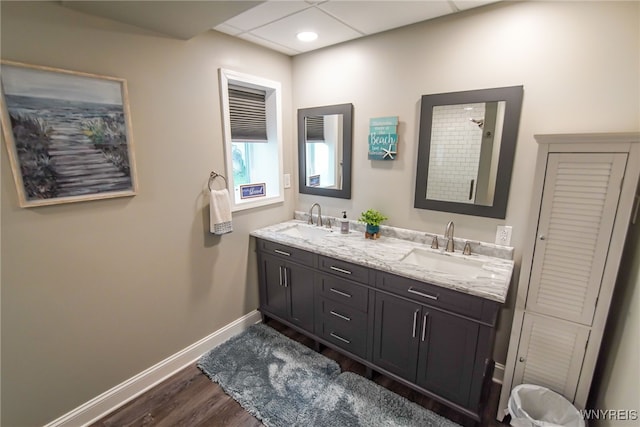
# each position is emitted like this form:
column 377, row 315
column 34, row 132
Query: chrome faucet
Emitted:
column 319, row 223
column 448, row 233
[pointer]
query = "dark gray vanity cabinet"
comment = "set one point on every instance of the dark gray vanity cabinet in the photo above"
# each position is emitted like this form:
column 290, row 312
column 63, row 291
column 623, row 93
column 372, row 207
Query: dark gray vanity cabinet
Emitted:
column 447, row 354
column 343, row 305
column 437, row 339
column 395, row 335
column 286, row 290
column 431, row 348
column 343, row 313
column 432, row 339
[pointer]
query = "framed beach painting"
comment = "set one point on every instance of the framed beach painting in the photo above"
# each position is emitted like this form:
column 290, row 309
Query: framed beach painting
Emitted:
column 68, row 134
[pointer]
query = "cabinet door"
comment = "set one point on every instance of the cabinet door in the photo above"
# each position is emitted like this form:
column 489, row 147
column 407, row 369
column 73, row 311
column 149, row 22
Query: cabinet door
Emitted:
column 273, row 293
column 447, row 354
column 298, row 281
column 550, row 354
column 396, row 331
column 579, row 203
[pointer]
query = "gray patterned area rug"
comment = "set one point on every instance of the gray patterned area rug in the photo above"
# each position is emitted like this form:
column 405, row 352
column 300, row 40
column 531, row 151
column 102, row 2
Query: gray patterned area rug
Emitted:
column 284, row 383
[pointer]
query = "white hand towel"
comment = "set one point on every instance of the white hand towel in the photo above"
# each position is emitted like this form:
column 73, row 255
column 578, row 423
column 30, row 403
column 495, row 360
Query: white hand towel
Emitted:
column 220, row 212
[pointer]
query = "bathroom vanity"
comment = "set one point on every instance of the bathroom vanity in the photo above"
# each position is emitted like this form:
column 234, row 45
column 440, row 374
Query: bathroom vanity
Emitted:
column 421, row 316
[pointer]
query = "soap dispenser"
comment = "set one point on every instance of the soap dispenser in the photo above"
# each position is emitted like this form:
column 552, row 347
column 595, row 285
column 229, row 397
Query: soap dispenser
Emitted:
column 344, row 223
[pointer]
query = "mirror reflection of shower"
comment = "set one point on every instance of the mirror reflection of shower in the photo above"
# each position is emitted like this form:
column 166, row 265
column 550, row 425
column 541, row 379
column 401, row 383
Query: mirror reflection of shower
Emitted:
column 465, row 146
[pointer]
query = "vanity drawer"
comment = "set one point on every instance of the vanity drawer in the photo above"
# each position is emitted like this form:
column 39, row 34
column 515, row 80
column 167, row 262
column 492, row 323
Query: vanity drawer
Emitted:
column 344, row 269
column 287, row 252
column 432, row 295
column 343, row 291
column 343, row 326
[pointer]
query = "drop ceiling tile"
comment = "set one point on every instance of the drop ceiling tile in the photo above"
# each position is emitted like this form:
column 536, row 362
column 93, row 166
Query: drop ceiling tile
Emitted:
column 182, row 20
column 375, row 16
column 330, row 31
column 266, row 43
column 470, row 4
column 228, row 29
column 266, row 13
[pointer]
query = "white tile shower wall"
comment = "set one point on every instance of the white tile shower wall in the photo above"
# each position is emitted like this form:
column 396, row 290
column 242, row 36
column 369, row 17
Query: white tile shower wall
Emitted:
column 455, row 152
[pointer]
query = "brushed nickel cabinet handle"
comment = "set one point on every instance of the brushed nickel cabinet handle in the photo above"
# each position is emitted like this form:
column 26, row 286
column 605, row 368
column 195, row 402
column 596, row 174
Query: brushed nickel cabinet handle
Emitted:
column 344, row 294
column 341, row 316
column 422, row 294
column 340, row 270
column 280, row 272
column 424, row 326
column 338, row 337
column 415, row 323
column 281, row 252
column 286, row 281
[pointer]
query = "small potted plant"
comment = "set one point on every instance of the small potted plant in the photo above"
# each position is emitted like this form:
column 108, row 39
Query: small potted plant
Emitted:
column 372, row 218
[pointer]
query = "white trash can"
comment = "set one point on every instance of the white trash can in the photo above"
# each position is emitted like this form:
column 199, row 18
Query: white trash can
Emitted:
column 535, row 406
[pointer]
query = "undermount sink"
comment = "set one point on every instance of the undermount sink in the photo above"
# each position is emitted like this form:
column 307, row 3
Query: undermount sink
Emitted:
column 303, row 231
column 436, row 261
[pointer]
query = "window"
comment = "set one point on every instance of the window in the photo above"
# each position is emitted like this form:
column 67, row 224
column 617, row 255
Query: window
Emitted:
column 252, row 121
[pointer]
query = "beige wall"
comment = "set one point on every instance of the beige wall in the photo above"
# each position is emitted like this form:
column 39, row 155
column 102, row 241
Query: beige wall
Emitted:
column 578, row 62
column 93, row 293
column 96, row 292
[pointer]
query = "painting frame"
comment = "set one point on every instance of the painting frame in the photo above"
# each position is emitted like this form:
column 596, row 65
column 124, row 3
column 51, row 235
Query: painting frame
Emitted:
column 68, row 134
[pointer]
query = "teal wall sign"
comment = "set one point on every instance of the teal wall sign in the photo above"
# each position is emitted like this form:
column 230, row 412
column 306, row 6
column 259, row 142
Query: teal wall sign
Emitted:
column 383, row 138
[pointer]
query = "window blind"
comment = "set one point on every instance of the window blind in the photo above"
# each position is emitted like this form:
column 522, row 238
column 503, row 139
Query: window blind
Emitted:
column 247, row 112
column 315, row 128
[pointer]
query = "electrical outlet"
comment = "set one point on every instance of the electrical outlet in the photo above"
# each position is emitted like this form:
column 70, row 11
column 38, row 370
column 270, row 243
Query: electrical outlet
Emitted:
column 287, row 180
column 503, row 235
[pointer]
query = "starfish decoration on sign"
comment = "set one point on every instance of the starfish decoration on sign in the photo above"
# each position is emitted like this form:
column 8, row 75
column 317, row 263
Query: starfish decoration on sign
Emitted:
column 388, row 152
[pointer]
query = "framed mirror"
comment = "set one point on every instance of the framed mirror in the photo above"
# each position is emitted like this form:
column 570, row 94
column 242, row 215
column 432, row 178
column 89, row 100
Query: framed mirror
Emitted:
column 324, row 150
column 466, row 147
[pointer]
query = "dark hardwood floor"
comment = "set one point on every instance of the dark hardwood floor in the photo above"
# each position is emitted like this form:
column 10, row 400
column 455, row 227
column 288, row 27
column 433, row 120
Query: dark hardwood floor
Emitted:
column 189, row 398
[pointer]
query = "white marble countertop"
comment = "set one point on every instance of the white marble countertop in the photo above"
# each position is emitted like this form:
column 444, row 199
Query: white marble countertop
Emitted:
column 386, row 254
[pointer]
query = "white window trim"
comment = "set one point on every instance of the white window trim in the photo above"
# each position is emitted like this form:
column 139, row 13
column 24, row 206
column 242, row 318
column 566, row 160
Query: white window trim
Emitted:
column 274, row 131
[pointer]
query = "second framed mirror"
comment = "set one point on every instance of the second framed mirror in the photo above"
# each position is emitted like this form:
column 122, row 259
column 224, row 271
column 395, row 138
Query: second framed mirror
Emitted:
column 466, row 149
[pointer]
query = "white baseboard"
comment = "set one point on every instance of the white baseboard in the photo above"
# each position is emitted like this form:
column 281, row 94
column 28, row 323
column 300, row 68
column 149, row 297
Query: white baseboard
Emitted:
column 100, row 406
column 498, row 373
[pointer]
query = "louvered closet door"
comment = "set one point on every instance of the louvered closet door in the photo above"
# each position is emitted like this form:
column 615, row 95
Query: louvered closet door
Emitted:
column 550, row 354
column 579, row 203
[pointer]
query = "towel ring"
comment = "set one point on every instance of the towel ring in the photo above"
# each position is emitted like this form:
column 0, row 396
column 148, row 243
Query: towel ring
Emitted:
column 215, row 175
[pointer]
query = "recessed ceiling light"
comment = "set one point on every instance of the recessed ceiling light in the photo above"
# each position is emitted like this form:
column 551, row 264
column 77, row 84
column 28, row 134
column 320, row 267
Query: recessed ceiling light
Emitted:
column 307, row 36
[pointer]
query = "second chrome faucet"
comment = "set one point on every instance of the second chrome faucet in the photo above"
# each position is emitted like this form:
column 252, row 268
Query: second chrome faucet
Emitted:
column 448, row 234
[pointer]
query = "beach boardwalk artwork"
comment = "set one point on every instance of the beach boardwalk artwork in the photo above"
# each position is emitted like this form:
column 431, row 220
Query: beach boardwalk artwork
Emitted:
column 383, row 138
column 67, row 134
